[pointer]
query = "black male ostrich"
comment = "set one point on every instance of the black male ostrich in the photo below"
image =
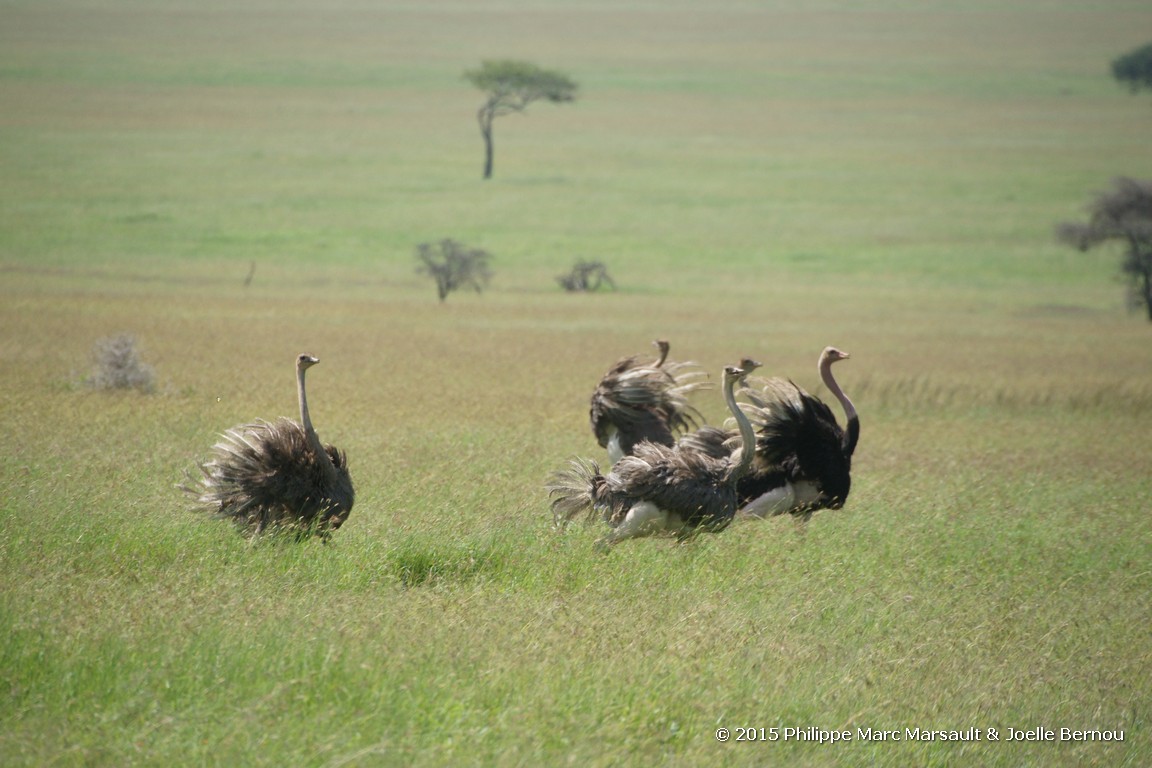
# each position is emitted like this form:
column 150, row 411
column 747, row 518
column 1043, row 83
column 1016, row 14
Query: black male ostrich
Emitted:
column 277, row 474
column 803, row 457
column 658, row 488
column 637, row 401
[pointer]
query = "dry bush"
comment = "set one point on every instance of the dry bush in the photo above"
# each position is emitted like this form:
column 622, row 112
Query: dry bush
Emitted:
column 117, row 365
column 586, row 276
column 453, row 265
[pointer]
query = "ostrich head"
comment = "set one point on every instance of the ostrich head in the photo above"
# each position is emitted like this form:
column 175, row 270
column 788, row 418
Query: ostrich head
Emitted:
column 304, row 362
column 734, row 373
column 832, row 354
column 746, row 366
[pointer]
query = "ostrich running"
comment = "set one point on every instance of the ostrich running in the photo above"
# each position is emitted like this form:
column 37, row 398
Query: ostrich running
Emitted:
column 637, row 401
column 277, row 474
column 803, row 457
column 658, row 488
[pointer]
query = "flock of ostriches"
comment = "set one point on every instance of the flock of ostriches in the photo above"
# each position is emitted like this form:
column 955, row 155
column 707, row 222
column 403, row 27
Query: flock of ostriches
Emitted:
column 785, row 455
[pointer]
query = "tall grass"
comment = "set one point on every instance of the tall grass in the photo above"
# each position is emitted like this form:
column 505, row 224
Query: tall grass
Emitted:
column 761, row 180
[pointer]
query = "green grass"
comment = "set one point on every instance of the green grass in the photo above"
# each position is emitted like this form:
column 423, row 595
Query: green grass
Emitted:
column 761, row 179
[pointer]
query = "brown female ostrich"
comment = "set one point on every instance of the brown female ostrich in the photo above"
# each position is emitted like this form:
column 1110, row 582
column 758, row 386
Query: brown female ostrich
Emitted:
column 658, row 488
column 637, row 401
column 803, row 456
column 277, row 474
column 717, row 441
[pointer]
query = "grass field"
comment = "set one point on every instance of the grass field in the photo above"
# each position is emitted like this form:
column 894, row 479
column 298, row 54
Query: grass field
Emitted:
column 762, row 178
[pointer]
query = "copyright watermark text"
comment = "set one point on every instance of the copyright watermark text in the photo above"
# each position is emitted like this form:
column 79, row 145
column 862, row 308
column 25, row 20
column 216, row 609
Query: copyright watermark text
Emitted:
column 827, row 736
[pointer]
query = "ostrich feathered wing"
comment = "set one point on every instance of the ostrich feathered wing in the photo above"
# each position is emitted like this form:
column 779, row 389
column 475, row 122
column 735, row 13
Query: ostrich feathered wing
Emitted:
column 799, row 435
column 715, row 442
column 692, row 486
column 267, row 473
column 761, row 478
column 643, row 402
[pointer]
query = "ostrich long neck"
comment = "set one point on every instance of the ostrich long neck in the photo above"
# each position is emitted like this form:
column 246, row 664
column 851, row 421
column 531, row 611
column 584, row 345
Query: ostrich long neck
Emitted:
column 852, row 434
column 306, row 422
column 747, row 435
column 663, row 346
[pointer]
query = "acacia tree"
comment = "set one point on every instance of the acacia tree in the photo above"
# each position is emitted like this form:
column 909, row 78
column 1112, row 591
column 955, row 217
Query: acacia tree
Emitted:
column 1123, row 214
column 511, row 86
column 1135, row 68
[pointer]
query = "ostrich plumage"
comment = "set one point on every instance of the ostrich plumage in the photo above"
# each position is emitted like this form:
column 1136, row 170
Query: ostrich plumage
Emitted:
column 708, row 440
column 277, row 474
column 658, row 488
column 639, row 401
column 803, row 456
column 713, row 441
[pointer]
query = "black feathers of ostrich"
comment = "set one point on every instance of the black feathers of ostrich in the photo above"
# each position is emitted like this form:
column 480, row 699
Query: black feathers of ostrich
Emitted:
column 637, row 401
column 268, row 475
column 803, row 456
column 658, row 488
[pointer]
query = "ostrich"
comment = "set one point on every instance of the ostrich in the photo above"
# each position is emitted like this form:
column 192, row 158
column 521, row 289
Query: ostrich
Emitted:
column 717, row 441
column 803, row 457
column 638, row 401
column 268, row 474
column 658, row 488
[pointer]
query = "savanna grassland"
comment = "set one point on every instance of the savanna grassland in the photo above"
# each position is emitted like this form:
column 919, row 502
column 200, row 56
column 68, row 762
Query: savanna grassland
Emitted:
column 761, row 178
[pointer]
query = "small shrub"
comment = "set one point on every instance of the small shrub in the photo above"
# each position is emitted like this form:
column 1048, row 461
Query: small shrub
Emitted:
column 117, row 365
column 453, row 265
column 586, row 276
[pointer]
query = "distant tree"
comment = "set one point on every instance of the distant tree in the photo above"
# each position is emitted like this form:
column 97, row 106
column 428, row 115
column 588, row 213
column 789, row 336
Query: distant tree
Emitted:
column 1135, row 68
column 511, row 86
column 1123, row 214
column 586, row 276
column 453, row 265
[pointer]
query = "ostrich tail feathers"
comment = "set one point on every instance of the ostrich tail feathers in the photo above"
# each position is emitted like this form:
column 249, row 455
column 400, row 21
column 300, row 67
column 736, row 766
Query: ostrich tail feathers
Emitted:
column 573, row 489
column 194, row 487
